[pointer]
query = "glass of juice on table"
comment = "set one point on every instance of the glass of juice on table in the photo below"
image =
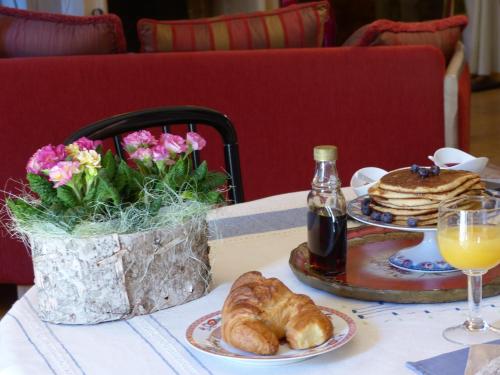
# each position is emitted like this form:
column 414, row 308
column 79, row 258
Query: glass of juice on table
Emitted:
column 469, row 239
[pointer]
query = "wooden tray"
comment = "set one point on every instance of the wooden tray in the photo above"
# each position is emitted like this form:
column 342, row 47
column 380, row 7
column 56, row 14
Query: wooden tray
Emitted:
column 369, row 276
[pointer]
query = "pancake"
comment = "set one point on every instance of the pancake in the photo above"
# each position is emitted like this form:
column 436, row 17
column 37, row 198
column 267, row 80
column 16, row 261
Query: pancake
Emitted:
column 473, row 184
column 404, row 181
column 416, row 203
column 406, row 202
column 407, row 195
column 400, row 211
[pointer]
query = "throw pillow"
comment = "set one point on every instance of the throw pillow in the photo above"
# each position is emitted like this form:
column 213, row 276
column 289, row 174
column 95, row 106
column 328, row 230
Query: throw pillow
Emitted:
column 442, row 33
column 24, row 33
column 300, row 25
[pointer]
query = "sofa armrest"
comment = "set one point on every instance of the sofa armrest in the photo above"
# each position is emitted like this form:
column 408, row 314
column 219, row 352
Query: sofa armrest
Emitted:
column 451, row 102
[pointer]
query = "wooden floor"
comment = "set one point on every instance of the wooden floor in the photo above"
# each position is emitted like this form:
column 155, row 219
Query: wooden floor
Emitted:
column 485, row 125
column 485, row 141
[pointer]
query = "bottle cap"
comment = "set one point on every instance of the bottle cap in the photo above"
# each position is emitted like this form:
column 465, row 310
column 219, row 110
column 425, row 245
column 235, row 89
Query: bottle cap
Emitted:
column 325, row 153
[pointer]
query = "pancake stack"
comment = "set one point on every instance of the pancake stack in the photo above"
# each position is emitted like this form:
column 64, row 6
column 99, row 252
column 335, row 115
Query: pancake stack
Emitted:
column 406, row 194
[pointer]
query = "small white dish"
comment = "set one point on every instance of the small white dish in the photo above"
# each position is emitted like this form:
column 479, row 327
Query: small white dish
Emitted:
column 365, row 178
column 455, row 159
column 204, row 335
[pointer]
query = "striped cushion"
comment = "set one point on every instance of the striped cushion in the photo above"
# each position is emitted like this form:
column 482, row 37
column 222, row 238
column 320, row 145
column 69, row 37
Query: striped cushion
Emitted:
column 300, row 25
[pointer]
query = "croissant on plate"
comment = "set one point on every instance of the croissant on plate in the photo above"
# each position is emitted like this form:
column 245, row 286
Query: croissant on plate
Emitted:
column 258, row 312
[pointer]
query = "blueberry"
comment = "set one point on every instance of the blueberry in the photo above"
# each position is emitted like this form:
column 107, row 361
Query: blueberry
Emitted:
column 387, row 217
column 366, row 210
column 423, row 172
column 489, row 204
column 435, row 170
column 376, row 216
column 366, row 202
column 414, row 168
column 412, row 222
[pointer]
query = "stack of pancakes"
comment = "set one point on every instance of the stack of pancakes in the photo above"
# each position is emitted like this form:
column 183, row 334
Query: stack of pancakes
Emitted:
column 405, row 194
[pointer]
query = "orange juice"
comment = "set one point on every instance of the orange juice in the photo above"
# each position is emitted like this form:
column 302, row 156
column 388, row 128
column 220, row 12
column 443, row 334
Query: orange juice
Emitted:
column 470, row 247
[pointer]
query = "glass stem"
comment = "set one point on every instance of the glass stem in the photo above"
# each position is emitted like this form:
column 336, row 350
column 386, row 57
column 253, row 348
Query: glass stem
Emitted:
column 475, row 293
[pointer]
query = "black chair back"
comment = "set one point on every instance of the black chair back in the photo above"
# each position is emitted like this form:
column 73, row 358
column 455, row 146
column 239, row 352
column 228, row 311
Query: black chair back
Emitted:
column 165, row 117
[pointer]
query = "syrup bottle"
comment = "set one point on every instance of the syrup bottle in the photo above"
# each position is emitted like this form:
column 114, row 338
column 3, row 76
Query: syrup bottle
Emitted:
column 326, row 218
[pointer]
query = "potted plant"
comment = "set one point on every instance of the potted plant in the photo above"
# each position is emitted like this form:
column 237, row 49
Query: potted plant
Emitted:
column 111, row 239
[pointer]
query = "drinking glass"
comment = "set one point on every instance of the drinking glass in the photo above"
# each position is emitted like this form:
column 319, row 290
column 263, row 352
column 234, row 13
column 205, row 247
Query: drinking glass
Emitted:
column 468, row 234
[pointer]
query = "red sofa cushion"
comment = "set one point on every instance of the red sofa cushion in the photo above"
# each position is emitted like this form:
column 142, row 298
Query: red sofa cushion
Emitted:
column 300, row 25
column 443, row 34
column 25, row 33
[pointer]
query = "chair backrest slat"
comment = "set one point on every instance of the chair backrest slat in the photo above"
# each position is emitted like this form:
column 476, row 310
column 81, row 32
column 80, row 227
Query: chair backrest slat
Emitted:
column 196, row 154
column 118, row 146
column 164, row 117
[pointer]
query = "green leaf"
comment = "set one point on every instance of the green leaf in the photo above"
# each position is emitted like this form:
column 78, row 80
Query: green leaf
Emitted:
column 67, row 196
column 135, row 179
column 155, row 206
column 213, row 180
column 177, row 175
column 201, row 172
column 21, row 209
column 109, row 164
column 43, row 187
column 106, row 191
column 214, row 197
column 128, row 182
column 90, row 194
column 121, row 177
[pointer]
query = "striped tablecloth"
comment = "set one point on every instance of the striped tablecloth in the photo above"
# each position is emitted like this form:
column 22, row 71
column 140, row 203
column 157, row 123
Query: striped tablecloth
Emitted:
column 256, row 235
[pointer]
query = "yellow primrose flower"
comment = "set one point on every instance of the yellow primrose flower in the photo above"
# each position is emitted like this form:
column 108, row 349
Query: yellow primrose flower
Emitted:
column 89, row 160
column 72, row 150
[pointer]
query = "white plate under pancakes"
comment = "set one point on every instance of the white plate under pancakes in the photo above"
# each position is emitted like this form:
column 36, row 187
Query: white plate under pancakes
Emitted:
column 204, row 335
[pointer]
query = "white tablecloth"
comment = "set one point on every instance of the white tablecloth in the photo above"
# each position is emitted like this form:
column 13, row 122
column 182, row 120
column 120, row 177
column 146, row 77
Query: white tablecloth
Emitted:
column 388, row 335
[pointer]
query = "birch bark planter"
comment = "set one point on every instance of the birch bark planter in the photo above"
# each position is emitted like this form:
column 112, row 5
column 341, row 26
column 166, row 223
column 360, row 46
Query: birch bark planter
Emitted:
column 118, row 276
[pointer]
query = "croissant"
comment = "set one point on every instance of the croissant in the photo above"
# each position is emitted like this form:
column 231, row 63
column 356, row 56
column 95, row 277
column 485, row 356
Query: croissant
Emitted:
column 259, row 312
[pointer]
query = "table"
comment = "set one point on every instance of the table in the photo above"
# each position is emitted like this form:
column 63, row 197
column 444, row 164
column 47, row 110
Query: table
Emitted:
column 257, row 235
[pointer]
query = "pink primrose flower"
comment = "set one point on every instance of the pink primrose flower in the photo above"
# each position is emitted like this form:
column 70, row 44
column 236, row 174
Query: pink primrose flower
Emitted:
column 173, row 143
column 161, row 154
column 62, row 172
column 142, row 154
column 45, row 158
column 139, row 139
column 196, row 141
column 86, row 144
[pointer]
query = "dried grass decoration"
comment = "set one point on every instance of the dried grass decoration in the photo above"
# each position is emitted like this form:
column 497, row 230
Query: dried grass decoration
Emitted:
column 111, row 241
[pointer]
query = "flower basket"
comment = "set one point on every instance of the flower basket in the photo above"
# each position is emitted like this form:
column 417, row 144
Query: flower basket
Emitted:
column 112, row 239
column 110, row 277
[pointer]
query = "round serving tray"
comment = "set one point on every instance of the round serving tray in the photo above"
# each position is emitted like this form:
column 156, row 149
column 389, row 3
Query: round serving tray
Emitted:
column 370, row 277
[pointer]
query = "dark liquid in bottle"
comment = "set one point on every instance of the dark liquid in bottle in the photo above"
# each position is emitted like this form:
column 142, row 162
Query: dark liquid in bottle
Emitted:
column 327, row 241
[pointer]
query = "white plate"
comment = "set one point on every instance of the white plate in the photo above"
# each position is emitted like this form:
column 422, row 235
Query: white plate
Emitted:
column 204, row 335
column 354, row 210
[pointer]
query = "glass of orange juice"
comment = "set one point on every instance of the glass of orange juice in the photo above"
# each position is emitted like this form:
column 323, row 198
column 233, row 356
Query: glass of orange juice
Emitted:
column 468, row 235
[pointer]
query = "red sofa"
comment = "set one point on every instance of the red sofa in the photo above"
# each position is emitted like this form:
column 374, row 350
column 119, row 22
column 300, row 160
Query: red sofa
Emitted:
column 381, row 107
